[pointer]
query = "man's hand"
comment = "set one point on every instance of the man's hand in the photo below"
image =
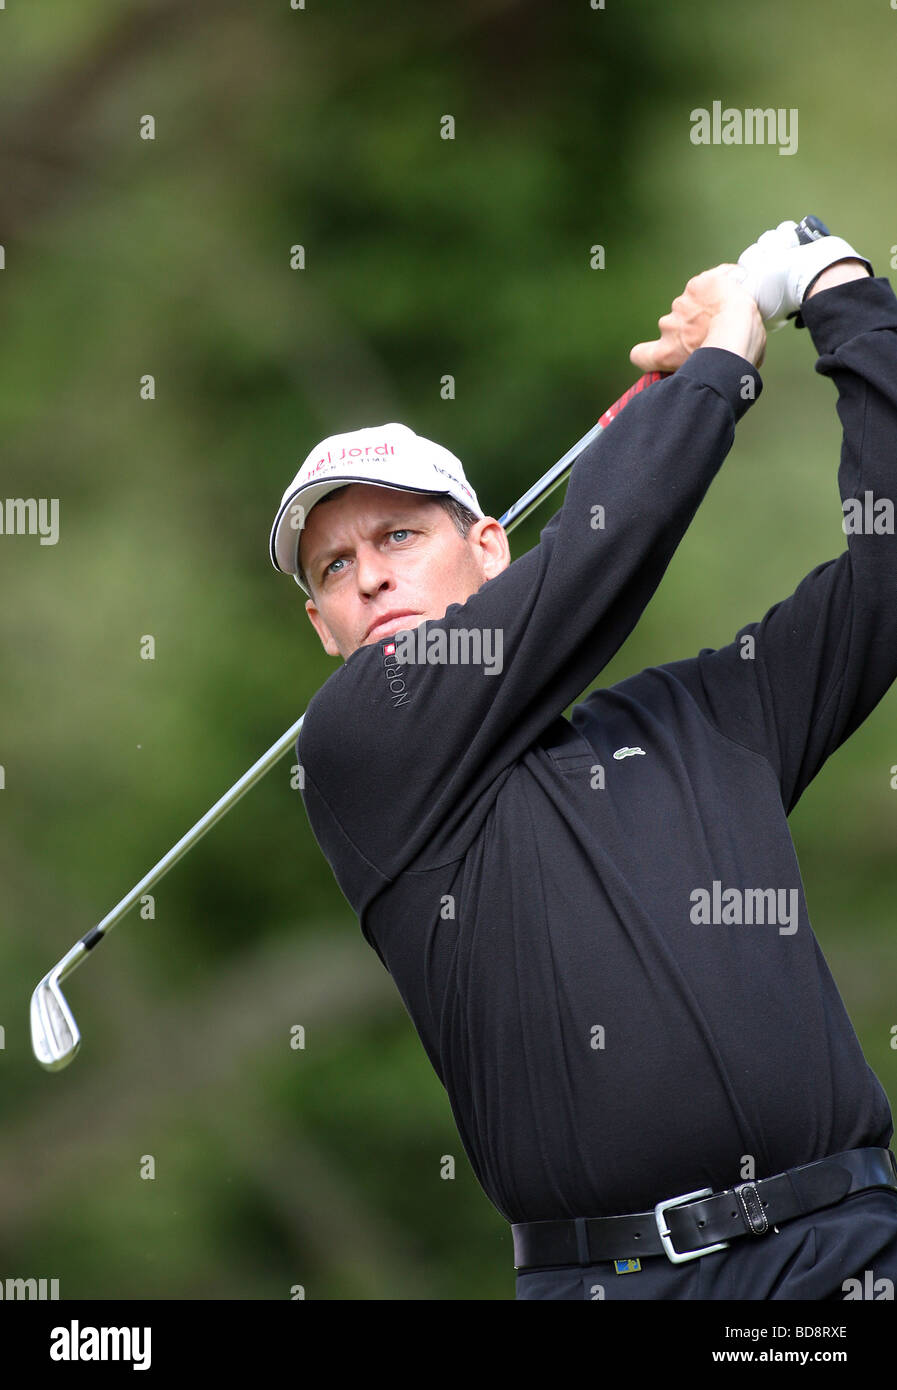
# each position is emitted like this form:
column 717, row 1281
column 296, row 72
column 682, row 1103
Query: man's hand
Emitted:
column 712, row 311
column 778, row 269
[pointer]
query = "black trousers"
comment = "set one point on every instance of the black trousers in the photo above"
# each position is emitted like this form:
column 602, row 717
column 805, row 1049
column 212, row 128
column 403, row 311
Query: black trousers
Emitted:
column 811, row 1257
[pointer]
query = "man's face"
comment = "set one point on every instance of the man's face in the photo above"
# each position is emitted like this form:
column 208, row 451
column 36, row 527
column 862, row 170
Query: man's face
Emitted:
column 375, row 551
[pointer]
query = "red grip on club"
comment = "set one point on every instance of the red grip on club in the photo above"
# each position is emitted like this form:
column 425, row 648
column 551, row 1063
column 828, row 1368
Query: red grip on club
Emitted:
column 647, row 380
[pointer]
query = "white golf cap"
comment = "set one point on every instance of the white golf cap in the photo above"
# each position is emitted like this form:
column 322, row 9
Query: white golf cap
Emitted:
column 390, row 456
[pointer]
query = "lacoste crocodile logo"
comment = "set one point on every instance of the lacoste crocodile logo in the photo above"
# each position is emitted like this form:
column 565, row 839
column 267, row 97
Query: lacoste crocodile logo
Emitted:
column 628, row 752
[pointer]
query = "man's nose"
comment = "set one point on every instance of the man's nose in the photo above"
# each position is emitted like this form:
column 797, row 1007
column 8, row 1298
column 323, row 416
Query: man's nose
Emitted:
column 372, row 569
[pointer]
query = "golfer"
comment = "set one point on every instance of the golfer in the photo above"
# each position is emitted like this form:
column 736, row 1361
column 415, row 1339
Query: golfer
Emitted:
column 597, row 923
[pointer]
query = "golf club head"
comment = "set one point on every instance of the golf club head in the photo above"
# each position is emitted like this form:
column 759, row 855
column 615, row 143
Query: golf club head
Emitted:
column 54, row 1032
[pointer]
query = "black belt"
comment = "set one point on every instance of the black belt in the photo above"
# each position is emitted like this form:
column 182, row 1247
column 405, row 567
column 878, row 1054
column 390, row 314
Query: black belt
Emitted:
column 682, row 1228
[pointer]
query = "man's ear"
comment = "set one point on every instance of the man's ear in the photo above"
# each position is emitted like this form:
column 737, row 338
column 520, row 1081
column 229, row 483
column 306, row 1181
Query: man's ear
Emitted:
column 493, row 549
column 321, row 629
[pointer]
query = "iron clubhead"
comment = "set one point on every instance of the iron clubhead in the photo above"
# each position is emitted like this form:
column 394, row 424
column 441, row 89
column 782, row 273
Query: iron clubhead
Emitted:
column 54, row 1033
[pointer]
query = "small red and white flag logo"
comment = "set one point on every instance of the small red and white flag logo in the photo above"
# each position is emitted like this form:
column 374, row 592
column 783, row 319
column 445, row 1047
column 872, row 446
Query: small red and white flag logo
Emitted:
column 389, row 649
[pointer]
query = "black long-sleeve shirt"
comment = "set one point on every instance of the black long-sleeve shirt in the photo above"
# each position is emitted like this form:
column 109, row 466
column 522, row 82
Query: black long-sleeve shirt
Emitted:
column 609, row 959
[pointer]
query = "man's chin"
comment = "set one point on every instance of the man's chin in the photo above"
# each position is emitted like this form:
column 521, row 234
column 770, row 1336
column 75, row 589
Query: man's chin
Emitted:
column 384, row 630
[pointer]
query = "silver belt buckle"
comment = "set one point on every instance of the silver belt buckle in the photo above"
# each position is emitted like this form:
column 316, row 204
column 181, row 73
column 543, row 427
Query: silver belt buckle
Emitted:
column 664, row 1232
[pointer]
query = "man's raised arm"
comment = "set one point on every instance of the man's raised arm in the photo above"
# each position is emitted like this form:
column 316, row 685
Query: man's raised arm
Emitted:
column 560, row 611
column 796, row 684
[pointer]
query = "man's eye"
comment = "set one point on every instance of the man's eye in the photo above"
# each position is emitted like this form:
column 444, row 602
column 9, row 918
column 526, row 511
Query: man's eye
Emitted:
column 400, row 532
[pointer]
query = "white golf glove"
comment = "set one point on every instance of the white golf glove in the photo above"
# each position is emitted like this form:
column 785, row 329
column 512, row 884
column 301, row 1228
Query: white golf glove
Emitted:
column 778, row 269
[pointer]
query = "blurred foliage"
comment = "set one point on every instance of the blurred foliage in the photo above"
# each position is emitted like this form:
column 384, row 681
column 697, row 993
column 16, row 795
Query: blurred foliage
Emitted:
column 276, row 127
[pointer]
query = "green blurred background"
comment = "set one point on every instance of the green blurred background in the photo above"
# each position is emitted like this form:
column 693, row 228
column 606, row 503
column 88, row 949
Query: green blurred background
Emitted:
column 320, row 1166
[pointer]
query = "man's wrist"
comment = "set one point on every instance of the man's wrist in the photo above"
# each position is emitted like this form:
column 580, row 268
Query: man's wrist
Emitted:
column 838, row 274
column 738, row 332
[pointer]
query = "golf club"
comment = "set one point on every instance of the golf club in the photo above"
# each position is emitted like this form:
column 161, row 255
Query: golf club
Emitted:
column 55, row 1038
